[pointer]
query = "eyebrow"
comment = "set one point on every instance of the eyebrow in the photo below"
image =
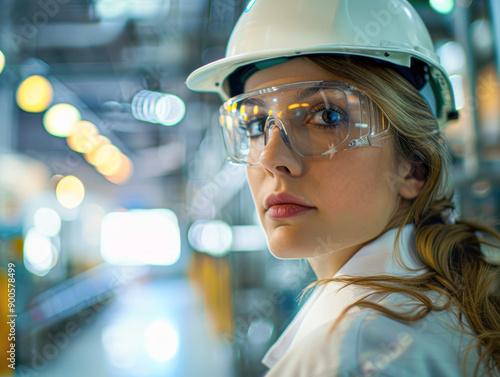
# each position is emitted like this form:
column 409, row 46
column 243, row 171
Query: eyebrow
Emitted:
column 253, row 101
column 307, row 92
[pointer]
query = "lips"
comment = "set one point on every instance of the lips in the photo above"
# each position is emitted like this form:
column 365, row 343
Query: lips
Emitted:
column 283, row 198
column 285, row 205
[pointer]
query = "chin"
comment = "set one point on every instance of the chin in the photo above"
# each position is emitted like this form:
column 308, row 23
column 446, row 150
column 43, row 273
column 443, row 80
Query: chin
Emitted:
column 286, row 254
column 289, row 248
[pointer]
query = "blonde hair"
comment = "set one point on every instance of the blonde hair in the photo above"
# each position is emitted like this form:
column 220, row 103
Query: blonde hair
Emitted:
column 452, row 251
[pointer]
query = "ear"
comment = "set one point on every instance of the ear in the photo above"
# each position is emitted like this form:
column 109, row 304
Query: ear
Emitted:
column 412, row 180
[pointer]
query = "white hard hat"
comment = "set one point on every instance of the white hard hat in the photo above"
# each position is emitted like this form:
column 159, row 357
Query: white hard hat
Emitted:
column 387, row 30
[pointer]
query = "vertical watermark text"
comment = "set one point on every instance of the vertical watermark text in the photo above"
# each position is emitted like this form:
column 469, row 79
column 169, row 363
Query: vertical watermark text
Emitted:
column 11, row 315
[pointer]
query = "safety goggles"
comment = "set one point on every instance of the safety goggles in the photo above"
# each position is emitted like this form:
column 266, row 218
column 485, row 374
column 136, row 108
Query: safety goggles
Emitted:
column 314, row 118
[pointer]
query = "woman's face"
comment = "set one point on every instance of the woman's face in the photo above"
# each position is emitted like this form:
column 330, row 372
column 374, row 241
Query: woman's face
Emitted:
column 353, row 195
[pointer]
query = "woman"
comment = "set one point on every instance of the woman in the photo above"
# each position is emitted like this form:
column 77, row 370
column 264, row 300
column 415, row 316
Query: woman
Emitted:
column 337, row 112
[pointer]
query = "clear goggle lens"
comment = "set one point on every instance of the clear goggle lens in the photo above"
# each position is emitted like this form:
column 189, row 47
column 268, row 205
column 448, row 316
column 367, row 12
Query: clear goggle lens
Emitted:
column 314, row 119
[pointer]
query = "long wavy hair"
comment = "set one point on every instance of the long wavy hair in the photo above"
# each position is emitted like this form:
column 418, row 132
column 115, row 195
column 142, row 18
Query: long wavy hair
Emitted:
column 458, row 269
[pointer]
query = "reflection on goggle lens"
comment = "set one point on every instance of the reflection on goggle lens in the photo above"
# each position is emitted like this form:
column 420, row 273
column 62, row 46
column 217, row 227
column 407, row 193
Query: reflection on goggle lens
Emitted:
column 314, row 118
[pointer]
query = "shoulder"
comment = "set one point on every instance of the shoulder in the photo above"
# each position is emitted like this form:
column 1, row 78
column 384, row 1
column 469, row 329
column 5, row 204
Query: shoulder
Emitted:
column 368, row 343
column 388, row 346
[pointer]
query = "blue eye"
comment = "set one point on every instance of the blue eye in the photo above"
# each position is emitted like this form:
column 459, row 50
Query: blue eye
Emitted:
column 254, row 128
column 330, row 116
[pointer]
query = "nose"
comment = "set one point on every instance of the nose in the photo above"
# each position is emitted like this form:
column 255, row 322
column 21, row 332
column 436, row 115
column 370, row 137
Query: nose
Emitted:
column 271, row 123
column 277, row 156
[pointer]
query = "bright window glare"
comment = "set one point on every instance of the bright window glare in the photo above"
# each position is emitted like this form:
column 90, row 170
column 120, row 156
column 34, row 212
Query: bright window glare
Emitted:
column 458, row 90
column 142, row 9
column 111, row 8
column 40, row 255
column 161, row 340
column 139, row 237
column 137, row 9
column 47, row 221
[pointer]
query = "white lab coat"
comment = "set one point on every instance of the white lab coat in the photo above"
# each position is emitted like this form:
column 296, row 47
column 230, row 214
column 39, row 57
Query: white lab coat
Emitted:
column 367, row 343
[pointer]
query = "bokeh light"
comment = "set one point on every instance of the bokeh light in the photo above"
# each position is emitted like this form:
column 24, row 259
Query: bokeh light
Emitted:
column 124, row 172
column 47, row 221
column 482, row 37
column 488, row 98
column 161, row 340
column 453, row 57
column 481, row 189
column 155, row 107
column 213, row 237
column 60, row 119
column 2, row 61
column 39, row 254
column 70, row 192
column 442, row 6
column 83, row 137
column 91, row 155
column 35, row 94
column 217, row 237
column 260, row 330
column 108, row 159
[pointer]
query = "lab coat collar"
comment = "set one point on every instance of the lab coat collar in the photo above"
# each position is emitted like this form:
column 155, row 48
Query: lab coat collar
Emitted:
column 327, row 302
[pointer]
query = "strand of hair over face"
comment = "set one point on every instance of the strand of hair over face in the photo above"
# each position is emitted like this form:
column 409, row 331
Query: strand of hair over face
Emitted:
column 459, row 271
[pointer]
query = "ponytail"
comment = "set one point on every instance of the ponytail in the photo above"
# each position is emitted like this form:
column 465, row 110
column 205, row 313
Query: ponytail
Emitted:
column 454, row 251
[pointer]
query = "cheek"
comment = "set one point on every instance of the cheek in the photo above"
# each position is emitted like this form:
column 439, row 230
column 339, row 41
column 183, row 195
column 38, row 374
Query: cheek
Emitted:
column 358, row 185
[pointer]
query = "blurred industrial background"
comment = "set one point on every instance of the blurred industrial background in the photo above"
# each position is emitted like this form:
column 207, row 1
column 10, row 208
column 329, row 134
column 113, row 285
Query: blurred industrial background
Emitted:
column 134, row 245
